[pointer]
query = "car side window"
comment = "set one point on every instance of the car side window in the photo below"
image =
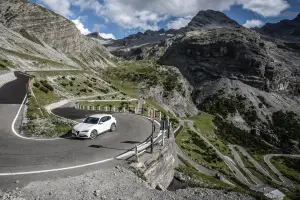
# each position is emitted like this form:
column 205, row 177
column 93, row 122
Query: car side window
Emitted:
column 103, row 119
column 108, row 118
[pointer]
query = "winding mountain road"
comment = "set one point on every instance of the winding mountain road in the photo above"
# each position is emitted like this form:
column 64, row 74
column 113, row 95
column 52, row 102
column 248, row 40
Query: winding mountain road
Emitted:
column 255, row 183
column 19, row 157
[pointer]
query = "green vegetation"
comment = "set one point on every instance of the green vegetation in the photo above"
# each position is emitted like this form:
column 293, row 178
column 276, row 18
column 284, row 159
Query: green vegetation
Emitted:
column 45, row 98
column 206, row 181
column 233, row 135
column 205, row 124
column 4, row 64
column 146, row 72
column 224, row 106
column 293, row 194
column 212, row 182
column 287, row 127
column 289, row 167
column 40, row 122
column 128, row 88
column 193, row 146
column 82, row 85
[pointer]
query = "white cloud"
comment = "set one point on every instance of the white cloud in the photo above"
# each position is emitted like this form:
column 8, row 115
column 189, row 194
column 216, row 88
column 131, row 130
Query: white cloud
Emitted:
column 62, row 7
column 179, row 23
column 145, row 14
column 107, row 35
column 253, row 23
column 80, row 26
column 266, row 8
column 97, row 27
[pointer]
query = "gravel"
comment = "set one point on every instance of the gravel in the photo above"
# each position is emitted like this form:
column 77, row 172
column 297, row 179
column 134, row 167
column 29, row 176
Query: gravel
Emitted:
column 116, row 183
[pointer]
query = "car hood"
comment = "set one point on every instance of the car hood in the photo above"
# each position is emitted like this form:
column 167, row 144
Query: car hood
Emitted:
column 83, row 127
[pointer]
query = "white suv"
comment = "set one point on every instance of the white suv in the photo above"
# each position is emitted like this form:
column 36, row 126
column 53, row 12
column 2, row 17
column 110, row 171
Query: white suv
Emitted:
column 94, row 125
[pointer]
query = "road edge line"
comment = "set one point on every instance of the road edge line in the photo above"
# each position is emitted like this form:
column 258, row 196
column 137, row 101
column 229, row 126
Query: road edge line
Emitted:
column 58, row 169
column 23, row 137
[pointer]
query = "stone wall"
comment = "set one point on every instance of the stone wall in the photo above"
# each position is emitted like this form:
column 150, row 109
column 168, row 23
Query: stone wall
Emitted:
column 158, row 168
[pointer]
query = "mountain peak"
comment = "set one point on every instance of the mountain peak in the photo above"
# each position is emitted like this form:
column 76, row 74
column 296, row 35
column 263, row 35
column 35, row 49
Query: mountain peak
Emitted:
column 297, row 18
column 95, row 35
column 211, row 19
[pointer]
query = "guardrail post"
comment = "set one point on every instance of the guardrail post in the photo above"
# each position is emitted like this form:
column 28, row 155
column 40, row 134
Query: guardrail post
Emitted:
column 163, row 138
column 168, row 126
column 136, row 154
column 152, row 138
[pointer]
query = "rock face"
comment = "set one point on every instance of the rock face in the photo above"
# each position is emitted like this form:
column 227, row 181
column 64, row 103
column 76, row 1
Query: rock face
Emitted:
column 287, row 30
column 210, row 19
column 95, row 35
column 238, row 54
column 51, row 28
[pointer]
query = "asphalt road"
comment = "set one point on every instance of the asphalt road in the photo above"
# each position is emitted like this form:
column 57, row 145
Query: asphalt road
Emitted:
column 21, row 155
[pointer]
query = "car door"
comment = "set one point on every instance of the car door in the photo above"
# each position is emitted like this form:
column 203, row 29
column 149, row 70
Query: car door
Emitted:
column 108, row 123
column 102, row 125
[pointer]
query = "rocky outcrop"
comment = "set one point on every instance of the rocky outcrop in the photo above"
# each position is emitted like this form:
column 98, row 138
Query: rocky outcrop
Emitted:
column 238, row 54
column 286, row 30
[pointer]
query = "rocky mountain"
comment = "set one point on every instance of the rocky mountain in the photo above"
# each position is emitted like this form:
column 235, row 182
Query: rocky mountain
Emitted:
column 95, row 35
column 230, row 65
column 210, row 19
column 144, row 45
column 286, row 30
column 41, row 25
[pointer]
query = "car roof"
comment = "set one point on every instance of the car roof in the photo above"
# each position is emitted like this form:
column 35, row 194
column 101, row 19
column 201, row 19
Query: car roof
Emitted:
column 100, row 115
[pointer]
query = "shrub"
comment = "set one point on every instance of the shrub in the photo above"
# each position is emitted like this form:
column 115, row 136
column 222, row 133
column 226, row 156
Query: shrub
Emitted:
column 64, row 84
column 83, row 90
column 71, row 83
column 63, row 77
column 2, row 65
column 73, row 78
column 47, row 85
column 37, row 85
column 43, row 89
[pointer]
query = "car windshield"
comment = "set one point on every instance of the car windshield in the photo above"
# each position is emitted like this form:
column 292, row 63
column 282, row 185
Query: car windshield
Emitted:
column 91, row 120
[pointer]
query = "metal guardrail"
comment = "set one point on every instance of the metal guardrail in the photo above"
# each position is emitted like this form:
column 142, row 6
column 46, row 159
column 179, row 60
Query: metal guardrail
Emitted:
column 142, row 147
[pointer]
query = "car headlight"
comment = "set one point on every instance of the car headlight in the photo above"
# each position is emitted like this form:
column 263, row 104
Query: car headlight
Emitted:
column 85, row 131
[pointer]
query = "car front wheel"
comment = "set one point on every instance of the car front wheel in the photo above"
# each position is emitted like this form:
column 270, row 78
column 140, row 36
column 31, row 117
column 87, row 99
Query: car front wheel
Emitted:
column 94, row 134
column 113, row 127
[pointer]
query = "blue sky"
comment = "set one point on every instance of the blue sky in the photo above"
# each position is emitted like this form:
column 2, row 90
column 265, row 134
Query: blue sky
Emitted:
column 119, row 18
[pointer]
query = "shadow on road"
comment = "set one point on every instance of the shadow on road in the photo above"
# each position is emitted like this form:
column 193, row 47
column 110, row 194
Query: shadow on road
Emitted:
column 100, row 147
column 14, row 92
column 130, row 142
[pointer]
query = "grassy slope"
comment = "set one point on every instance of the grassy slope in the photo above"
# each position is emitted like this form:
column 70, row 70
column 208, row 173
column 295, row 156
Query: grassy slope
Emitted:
column 196, row 149
column 205, row 124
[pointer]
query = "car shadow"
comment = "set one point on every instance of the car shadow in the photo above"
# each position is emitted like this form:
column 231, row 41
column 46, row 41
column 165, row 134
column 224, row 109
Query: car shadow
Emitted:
column 69, row 136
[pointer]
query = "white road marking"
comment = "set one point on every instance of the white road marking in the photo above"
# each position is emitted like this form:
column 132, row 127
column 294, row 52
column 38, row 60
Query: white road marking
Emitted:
column 23, row 137
column 56, row 170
